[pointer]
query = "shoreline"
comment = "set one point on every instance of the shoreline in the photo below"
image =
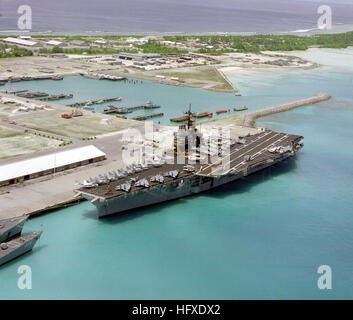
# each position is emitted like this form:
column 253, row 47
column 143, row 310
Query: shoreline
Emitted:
column 336, row 28
column 211, row 77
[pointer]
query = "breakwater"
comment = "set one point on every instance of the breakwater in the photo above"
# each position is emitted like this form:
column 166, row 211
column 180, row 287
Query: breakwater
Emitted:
column 251, row 117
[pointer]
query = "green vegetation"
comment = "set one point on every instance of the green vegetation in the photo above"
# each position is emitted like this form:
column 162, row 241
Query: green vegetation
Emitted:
column 215, row 51
column 65, row 143
column 156, row 47
column 13, row 51
column 87, row 50
column 88, row 139
column 81, row 37
column 257, row 43
column 175, row 38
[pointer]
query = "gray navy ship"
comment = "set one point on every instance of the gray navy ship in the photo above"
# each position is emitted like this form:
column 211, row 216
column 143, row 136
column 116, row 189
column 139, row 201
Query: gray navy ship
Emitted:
column 14, row 248
column 157, row 181
column 12, row 227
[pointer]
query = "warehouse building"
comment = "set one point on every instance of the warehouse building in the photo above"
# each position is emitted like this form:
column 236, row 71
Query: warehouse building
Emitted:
column 19, row 171
column 20, row 42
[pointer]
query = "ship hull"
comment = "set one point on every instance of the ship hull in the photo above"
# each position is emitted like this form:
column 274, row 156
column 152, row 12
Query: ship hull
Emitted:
column 20, row 250
column 176, row 189
column 13, row 231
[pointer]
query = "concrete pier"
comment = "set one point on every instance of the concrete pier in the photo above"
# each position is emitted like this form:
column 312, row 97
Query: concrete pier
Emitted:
column 251, row 117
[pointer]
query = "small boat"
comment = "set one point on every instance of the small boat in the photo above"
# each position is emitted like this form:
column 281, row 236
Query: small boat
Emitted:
column 120, row 116
column 240, row 109
column 180, row 119
column 238, row 94
column 14, row 248
column 204, row 114
column 66, row 116
column 11, row 227
column 88, row 107
column 150, row 105
column 221, row 111
column 123, row 110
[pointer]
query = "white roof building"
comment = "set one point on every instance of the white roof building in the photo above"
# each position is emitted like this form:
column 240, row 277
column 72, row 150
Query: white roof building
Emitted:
column 42, row 164
column 100, row 41
column 54, row 43
column 18, row 41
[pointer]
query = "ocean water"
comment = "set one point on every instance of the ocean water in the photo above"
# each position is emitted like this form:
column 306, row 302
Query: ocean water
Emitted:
column 261, row 237
column 173, row 16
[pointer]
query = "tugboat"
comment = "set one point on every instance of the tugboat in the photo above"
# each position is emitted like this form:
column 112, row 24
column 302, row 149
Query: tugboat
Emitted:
column 14, row 248
column 12, row 227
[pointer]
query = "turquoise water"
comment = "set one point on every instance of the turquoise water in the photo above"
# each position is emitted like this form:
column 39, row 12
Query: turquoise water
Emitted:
column 261, row 237
column 174, row 100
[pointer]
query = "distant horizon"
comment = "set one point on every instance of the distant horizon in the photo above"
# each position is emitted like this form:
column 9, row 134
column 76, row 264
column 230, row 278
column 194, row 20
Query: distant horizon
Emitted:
column 173, row 16
column 337, row 29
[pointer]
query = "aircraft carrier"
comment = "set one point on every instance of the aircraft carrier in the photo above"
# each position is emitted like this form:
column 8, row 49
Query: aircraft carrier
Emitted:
column 157, row 181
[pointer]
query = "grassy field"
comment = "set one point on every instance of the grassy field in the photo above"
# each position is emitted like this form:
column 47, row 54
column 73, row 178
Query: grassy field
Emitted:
column 14, row 143
column 90, row 125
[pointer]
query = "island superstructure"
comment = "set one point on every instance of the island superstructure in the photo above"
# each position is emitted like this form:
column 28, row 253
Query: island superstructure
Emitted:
column 157, row 180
